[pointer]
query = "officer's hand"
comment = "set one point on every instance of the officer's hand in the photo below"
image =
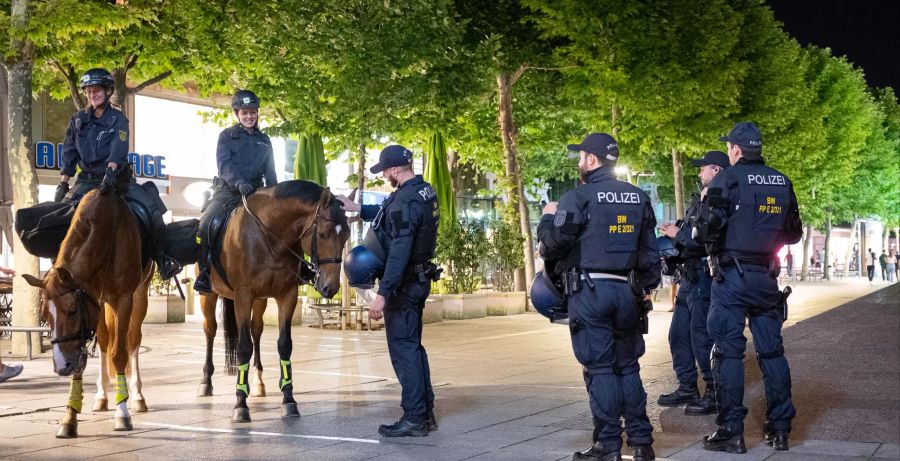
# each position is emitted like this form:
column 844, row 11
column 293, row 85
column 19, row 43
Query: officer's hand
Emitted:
column 109, row 181
column 245, row 189
column 669, row 230
column 550, row 208
column 347, row 204
column 61, row 190
column 376, row 309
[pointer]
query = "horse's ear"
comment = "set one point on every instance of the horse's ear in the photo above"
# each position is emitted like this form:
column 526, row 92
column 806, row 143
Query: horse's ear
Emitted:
column 326, row 197
column 352, row 195
column 33, row 281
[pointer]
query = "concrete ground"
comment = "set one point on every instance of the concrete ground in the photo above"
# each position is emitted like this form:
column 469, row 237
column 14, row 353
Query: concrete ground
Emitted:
column 508, row 388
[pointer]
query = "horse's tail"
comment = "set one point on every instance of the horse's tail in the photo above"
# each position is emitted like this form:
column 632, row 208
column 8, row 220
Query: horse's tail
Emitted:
column 231, row 336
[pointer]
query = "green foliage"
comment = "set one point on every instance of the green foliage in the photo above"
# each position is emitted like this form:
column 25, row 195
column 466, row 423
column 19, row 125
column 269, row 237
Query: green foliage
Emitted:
column 505, row 255
column 160, row 287
column 462, row 249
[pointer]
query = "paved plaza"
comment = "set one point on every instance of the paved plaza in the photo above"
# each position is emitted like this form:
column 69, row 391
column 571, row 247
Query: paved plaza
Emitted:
column 508, row 388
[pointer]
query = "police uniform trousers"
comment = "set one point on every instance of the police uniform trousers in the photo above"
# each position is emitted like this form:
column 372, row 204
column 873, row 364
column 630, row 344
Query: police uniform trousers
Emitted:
column 754, row 295
column 607, row 343
column 680, row 336
column 403, row 325
column 698, row 300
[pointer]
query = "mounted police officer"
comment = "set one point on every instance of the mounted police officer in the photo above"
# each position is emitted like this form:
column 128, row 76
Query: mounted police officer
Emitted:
column 688, row 337
column 602, row 234
column 747, row 214
column 97, row 142
column 245, row 160
column 405, row 226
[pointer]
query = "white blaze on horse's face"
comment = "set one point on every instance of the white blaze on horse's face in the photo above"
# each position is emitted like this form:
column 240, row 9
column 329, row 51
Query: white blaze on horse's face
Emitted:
column 59, row 360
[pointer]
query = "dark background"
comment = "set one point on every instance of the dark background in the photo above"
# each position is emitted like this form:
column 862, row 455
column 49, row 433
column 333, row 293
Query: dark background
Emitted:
column 865, row 31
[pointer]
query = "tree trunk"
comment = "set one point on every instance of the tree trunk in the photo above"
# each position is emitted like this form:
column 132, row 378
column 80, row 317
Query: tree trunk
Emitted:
column 807, row 241
column 120, row 95
column 614, row 122
column 678, row 177
column 854, row 230
column 360, row 186
column 21, row 169
column 452, row 162
column 826, row 274
column 525, row 224
column 508, row 135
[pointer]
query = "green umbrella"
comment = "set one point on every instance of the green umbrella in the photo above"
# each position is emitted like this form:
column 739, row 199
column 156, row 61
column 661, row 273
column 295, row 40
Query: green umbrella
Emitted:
column 437, row 173
column 309, row 163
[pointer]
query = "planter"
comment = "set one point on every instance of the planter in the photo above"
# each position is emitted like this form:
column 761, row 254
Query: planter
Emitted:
column 506, row 303
column 165, row 309
column 467, row 306
column 270, row 316
column 434, row 309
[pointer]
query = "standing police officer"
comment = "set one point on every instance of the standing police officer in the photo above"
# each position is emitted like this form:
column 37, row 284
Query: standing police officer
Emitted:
column 603, row 235
column 405, row 226
column 688, row 337
column 97, row 142
column 244, row 158
column 748, row 213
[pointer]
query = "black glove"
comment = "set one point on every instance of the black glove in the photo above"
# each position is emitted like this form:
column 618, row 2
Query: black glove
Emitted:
column 61, row 190
column 109, row 181
column 246, row 189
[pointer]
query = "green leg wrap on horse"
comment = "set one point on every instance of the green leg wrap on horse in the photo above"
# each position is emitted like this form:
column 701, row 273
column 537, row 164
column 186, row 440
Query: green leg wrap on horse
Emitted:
column 121, row 389
column 286, row 374
column 242, row 379
column 76, row 395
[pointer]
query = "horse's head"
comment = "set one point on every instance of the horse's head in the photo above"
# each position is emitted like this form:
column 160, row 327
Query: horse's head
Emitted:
column 72, row 315
column 324, row 242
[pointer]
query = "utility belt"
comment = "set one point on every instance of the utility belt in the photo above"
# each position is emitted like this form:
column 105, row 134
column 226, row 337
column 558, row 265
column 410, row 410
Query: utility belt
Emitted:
column 574, row 279
column 720, row 261
column 90, row 176
column 222, row 184
column 423, row 272
column 691, row 267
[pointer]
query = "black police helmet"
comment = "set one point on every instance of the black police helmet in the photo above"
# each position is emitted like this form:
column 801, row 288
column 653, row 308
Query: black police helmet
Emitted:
column 97, row 76
column 362, row 267
column 244, row 99
column 547, row 299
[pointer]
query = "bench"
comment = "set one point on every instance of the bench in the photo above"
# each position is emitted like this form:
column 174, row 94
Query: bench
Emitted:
column 12, row 329
column 322, row 305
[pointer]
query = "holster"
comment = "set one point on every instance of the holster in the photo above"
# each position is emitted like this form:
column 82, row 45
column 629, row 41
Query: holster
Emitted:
column 642, row 306
column 424, row 272
column 571, row 281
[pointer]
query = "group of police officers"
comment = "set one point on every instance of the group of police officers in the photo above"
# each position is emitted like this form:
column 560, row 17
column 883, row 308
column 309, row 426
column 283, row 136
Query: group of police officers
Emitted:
column 601, row 254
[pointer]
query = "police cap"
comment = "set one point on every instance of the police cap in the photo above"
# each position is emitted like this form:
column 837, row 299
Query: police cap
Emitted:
column 393, row 155
column 713, row 157
column 744, row 134
column 602, row 145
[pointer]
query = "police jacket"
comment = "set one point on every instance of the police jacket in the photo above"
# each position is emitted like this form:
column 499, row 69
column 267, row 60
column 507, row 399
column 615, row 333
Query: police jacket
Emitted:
column 604, row 225
column 687, row 247
column 92, row 142
column 406, row 227
column 753, row 212
column 245, row 158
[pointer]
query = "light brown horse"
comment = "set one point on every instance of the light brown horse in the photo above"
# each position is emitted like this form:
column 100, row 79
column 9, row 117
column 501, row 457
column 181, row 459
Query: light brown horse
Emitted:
column 262, row 257
column 100, row 259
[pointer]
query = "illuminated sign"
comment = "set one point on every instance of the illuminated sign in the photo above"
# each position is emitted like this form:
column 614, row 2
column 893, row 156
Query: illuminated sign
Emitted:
column 49, row 157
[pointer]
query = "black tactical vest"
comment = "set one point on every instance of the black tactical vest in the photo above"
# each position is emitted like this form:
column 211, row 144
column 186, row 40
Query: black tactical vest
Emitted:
column 761, row 199
column 393, row 219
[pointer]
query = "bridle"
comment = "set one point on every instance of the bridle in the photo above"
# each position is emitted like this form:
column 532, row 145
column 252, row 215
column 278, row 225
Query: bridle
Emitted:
column 86, row 332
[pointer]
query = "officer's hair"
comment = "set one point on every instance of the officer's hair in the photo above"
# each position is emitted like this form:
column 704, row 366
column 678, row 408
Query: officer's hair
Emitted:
column 405, row 167
column 605, row 162
column 751, row 152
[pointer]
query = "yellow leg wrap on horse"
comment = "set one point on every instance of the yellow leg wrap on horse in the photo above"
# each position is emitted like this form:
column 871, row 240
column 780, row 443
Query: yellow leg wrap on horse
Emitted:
column 76, row 395
column 286, row 374
column 121, row 389
column 242, row 378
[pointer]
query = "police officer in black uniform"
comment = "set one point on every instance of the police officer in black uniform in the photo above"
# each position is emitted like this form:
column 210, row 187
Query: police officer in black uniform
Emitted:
column 244, row 158
column 406, row 226
column 97, row 142
column 747, row 214
column 688, row 337
column 602, row 234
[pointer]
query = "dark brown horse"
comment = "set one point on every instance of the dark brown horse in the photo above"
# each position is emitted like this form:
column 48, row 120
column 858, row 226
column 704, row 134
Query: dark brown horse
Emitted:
column 99, row 260
column 262, row 256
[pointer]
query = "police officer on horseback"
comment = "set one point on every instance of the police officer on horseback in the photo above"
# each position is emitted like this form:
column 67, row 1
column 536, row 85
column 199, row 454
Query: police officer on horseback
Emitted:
column 689, row 340
column 245, row 163
column 747, row 214
column 405, row 226
column 602, row 233
column 97, row 142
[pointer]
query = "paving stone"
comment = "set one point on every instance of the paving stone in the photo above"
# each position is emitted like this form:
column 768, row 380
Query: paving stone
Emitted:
column 888, row 450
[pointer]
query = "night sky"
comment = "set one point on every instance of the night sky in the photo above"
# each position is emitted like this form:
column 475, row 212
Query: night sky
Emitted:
column 866, row 31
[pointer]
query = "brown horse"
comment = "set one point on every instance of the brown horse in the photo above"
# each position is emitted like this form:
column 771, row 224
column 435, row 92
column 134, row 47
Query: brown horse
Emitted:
column 262, row 256
column 99, row 260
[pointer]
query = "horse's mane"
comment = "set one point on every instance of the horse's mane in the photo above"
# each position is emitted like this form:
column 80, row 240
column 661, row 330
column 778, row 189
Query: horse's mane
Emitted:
column 306, row 191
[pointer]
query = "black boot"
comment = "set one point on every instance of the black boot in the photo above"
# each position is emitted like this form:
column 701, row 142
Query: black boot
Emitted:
column 775, row 439
column 167, row 266
column 202, row 284
column 684, row 394
column 431, row 422
column 597, row 453
column 704, row 406
column 643, row 453
column 403, row 428
column 725, row 440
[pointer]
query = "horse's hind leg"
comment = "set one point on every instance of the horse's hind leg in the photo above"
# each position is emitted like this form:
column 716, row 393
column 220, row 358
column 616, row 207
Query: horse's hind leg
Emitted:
column 208, row 306
column 101, row 402
column 286, row 305
column 258, row 387
column 242, row 304
column 138, row 312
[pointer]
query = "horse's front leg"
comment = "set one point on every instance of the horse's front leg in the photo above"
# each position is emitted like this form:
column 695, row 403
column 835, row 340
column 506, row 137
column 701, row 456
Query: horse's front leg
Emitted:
column 119, row 357
column 138, row 312
column 286, row 305
column 68, row 425
column 242, row 304
column 208, row 306
column 258, row 387
column 101, row 402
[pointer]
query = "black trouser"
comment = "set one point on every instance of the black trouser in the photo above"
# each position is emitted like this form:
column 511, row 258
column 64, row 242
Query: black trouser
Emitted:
column 223, row 201
column 871, row 270
column 403, row 325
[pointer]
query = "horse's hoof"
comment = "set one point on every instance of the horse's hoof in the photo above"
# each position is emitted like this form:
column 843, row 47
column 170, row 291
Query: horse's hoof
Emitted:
column 67, row 431
column 123, row 424
column 289, row 410
column 258, row 390
column 139, row 406
column 240, row 415
column 205, row 390
column 101, row 405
